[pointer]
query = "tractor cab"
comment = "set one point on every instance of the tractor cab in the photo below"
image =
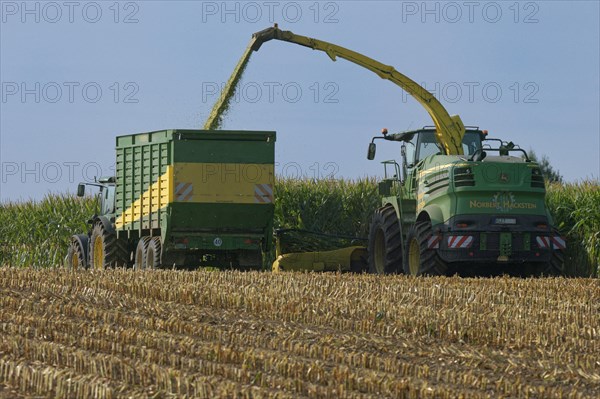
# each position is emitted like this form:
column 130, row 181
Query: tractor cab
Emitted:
column 106, row 196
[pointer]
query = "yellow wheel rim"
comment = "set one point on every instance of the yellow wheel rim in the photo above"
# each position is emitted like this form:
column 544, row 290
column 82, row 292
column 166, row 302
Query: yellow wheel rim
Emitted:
column 379, row 255
column 414, row 257
column 75, row 261
column 98, row 253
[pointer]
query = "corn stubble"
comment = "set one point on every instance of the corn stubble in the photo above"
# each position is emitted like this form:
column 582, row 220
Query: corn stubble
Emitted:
column 124, row 333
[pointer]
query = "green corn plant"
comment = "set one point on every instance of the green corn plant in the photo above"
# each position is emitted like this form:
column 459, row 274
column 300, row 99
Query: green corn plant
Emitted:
column 37, row 233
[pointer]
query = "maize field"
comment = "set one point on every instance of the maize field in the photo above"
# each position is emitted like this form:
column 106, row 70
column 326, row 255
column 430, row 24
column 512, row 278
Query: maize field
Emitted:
column 125, row 333
column 37, row 233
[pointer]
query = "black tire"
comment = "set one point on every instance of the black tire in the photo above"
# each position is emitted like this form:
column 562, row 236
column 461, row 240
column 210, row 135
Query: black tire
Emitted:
column 141, row 253
column 555, row 267
column 105, row 250
column 419, row 259
column 153, row 253
column 385, row 242
column 77, row 253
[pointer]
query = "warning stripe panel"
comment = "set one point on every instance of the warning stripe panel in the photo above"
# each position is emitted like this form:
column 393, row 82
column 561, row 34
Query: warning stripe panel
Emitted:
column 263, row 193
column 433, row 242
column 543, row 242
column 555, row 242
column 184, row 192
column 558, row 243
column 460, row 242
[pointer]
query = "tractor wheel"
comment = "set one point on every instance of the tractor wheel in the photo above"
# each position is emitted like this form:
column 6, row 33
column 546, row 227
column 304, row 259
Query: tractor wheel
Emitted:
column 76, row 256
column 105, row 250
column 141, row 253
column 153, row 253
column 385, row 242
column 420, row 260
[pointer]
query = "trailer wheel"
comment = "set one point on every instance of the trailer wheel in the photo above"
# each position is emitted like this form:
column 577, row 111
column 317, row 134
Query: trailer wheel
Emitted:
column 420, row 260
column 385, row 242
column 153, row 253
column 77, row 254
column 141, row 253
column 105, row 250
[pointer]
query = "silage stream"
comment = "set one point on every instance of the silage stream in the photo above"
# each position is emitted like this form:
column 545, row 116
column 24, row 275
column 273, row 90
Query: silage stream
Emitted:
column 219, row 110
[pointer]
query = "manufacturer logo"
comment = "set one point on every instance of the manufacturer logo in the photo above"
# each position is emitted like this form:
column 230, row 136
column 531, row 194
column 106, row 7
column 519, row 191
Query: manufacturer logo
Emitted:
column 503, row 202
column 218, row 242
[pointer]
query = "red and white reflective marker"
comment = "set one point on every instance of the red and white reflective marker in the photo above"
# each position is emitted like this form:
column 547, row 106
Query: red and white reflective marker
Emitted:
column 555, row 242
column 558, row 243
column 433, row 242
column 543, row 242
column 460, row 241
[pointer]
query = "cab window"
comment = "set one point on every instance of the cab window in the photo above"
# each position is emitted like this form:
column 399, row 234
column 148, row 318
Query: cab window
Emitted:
column 108, row 200
column 427, row 145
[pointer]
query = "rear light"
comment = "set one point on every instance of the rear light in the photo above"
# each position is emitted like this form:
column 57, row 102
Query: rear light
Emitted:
column 461, row 225
column 541, row 226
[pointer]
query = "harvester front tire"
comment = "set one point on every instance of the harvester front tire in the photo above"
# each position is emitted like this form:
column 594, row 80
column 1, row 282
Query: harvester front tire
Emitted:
column 105, row 250
column 153, row 253
column 420, row 260
column 385, row 242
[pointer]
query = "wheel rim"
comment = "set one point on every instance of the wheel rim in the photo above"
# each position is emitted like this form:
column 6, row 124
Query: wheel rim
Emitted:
column 414, row 257
column 75, row 260
column 379, row 256
column 98, row 253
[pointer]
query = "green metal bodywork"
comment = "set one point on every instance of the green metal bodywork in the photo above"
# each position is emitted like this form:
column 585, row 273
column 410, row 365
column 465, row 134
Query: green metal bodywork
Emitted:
column 153, row 169
column 448, row 188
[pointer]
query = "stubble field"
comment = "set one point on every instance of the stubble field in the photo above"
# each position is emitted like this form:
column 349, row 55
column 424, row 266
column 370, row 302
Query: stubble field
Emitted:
column 125, row 333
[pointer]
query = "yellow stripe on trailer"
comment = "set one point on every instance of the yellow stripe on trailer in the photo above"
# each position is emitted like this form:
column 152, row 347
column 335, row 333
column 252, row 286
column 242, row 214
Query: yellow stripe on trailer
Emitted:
column 232, row 183
column 156, row 197
column 235, row 183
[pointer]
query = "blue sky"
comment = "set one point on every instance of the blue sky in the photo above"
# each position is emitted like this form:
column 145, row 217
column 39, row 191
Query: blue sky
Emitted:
column 75, row 75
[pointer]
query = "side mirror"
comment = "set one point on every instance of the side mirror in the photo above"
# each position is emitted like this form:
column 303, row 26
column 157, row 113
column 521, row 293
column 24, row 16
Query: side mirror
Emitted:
column 371, row 153
column 81, row 190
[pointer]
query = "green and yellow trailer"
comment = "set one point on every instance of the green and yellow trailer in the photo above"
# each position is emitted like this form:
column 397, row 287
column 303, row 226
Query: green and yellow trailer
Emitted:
column 183, row 198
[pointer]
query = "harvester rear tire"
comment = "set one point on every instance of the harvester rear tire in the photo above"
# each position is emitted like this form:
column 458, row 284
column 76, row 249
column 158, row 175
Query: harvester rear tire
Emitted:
column 555, row 267
column 419, row 259
column 77, row 256
column 141, row 253
column 385, row 242
column 105, row 249
column 153, row 253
